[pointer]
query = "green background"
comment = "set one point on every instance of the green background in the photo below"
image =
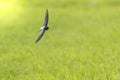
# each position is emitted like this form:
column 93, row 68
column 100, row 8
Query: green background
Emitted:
column 83, row 42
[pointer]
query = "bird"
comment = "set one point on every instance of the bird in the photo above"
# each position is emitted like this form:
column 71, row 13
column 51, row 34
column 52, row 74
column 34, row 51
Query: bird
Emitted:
column 44, row 27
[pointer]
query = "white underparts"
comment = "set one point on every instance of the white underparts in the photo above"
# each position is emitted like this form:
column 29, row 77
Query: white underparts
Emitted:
column 41, row 28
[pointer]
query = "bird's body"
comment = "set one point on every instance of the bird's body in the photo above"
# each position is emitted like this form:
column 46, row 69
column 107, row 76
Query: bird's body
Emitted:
column 44, row 28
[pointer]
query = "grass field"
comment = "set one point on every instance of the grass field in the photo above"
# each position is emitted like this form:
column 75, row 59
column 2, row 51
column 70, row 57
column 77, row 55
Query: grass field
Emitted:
column 83, row 42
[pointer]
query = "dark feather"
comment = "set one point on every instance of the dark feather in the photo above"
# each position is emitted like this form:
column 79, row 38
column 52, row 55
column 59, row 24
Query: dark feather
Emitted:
column 40, row 36
column 46, row 18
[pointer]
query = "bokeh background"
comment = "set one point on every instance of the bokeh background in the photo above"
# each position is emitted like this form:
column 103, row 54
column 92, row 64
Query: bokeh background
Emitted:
column 83, row 42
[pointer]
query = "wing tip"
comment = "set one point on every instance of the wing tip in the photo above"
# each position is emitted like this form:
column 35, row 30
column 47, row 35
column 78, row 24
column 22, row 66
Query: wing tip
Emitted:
column 46, row 10
column 36, row 42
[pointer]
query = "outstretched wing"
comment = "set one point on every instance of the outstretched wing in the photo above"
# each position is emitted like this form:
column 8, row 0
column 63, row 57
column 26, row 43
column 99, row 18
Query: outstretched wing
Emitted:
column 40, row 36
column 46, row 18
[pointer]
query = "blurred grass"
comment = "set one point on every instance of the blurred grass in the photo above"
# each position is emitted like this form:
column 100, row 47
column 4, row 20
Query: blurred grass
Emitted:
column 82, row 42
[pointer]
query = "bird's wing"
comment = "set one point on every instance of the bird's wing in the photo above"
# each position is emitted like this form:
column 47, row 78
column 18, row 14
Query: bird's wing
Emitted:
column 46, row 18
column 40, row 36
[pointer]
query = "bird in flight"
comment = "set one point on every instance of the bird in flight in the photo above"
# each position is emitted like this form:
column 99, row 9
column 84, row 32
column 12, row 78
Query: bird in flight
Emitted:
column 44, row 28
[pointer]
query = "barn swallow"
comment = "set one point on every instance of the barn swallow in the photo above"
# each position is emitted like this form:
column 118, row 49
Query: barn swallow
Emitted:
column 44, row 27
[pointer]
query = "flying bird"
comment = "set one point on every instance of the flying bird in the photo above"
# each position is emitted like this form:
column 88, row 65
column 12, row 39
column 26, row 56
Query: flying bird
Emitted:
column 44, row 27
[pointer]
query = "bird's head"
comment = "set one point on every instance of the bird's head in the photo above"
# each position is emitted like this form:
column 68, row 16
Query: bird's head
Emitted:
column 46, row 28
